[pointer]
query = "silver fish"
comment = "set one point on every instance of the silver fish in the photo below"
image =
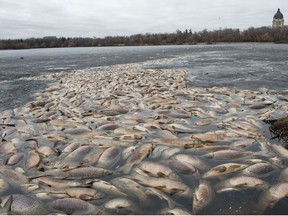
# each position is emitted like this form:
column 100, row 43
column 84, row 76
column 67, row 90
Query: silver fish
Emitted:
column 109, row 157
column 224, row 169
column 138, row 155
column 227, row 154
column 75, row 206
column 24, row 204
column 241, row 182
column 259, row 169
column 271, row 196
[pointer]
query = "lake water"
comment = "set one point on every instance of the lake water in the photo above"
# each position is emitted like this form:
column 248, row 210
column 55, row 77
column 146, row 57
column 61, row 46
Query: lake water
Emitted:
column 248, row 66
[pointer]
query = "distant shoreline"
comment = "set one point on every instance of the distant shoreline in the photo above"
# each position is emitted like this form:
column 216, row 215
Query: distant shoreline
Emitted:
column 198, row 44
column 186, row 37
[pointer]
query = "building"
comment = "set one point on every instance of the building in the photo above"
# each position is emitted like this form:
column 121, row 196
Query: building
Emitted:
column 278, row 19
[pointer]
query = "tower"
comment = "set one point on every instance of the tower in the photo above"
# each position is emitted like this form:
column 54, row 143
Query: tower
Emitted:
column 278, row 19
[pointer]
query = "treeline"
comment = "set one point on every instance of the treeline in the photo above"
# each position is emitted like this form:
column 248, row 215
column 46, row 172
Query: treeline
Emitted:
column 263, row 34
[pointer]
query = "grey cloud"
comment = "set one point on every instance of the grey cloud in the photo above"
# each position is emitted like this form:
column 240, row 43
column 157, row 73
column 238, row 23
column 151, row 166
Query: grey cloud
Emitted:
column 27, row 18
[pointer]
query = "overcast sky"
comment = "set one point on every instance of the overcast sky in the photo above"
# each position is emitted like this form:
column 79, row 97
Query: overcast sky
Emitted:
column 99, row 18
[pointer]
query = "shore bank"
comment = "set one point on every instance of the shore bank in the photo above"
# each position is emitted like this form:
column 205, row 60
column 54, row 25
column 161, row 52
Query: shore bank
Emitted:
column 124, row 138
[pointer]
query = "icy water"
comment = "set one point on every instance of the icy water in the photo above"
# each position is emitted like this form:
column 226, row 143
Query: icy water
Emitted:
column 248, row 66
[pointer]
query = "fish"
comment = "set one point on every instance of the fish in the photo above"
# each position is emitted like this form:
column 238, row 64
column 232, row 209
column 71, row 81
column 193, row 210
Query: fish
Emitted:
column 109, row 157
column 227, row 154
column 155, row 169
column 224, row 169
column 59, row 183
column 174, row 211
column 120, row 204
column 197, row 162
column 137, row 156
column 75, row 206
column 259, row 169
column 185, row 143
column 16, row 158
column 241, row 182
column 33, row 160
column 182, row 167
column 164, row 184
column 27, row 205
column 13, row 177
column 130, row 187
column 271, row 196
column 202, row 197
column 107, row 188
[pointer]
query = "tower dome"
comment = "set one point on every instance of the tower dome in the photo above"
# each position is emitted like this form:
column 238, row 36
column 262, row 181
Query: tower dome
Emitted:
column 278, row 14
column 278, row 19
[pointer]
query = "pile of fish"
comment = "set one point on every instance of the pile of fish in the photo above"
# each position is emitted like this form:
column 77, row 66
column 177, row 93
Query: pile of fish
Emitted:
column 134, row 140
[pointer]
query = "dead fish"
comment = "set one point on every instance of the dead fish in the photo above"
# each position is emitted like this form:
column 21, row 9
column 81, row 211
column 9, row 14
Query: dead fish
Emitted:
column 261, row 105
column 227, row 154
column 164, row 184
column 13, row 177
column 33, row 160
column 108, row 126
column 141, row 129
column 224, row 169
column 182, row 167
column 155, row 169
column 137, row 156
column 208, row 137
column 185, row 143
column 77, row 131
column 109, row 157
column 86, row 173
column 84, row 193
column 75, row 206
column 110, row 142
column 47, row 151
column 128, row 137
column 282, row 97
column 193, row 160
column 202, row 197
column 182, row 128
column 16, row 158
column 76, row 173
column 205, row 121
column 59, row 183
column 27, row 205
column 71, row 147
column 243, row 143
column 7, row 147
column 259, row 169
column 107, row 188
column 241, row 182
column 125, row 204
column 271, row 196
column 130, row 187
column 174, row 211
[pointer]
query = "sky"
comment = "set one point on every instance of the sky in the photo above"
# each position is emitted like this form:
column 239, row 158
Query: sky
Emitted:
column 100, row 18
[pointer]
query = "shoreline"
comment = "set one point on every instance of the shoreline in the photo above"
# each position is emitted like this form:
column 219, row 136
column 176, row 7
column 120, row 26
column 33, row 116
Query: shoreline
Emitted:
column 184, row 44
